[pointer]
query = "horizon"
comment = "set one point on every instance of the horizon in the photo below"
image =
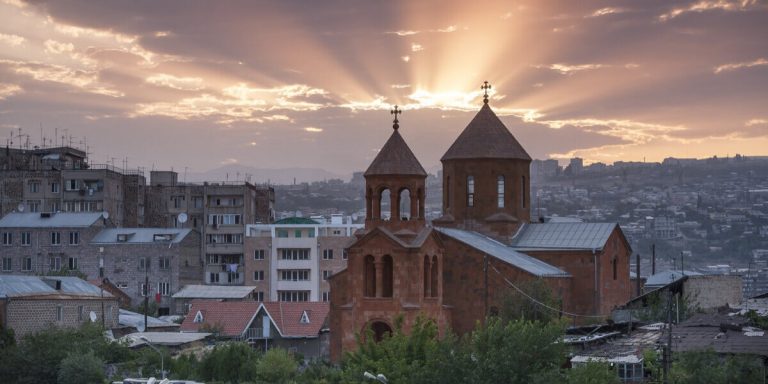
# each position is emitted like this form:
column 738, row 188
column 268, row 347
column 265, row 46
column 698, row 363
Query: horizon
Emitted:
column 289, row 85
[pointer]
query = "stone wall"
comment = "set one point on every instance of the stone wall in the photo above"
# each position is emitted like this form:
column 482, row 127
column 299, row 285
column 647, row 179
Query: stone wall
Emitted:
column 30, row 315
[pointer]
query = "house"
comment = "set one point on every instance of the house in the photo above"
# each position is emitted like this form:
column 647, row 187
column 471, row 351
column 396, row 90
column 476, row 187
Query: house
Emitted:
column 184, row 297
column 29, row 304
column 299, row 327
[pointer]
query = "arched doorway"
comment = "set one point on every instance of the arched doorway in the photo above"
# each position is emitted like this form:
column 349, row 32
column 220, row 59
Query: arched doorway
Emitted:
column 380, row 330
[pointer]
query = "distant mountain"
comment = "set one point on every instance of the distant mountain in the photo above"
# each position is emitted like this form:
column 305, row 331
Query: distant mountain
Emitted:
column 256, row 175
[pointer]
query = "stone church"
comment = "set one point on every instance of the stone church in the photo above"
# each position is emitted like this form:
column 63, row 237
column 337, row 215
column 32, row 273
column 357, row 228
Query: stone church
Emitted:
column 457, row 269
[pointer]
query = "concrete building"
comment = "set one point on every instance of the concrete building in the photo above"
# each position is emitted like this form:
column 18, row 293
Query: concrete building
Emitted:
column 29, row 304
column 60, row 179
column 220, row 211
column 79, row 243
column 292, row 259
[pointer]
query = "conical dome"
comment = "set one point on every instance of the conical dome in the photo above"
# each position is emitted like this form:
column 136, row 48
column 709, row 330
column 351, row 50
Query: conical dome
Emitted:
column 486, row 137
column 395, row 158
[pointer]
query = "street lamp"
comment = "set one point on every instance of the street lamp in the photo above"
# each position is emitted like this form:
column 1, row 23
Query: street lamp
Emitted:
column 380, row 378
column 162, row 363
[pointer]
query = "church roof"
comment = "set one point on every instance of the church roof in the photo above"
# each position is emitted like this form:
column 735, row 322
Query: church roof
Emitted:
column 486, row 137
column 504, row 253
column 395, row 158
column 559, row 236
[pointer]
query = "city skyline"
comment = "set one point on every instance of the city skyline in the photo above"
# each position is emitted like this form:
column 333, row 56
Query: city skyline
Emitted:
column 291, row 84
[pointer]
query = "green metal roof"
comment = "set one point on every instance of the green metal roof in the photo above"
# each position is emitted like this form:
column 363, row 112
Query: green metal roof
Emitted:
column 296, row 220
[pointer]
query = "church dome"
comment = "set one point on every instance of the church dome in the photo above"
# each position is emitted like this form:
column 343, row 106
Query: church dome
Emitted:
column 486, row 137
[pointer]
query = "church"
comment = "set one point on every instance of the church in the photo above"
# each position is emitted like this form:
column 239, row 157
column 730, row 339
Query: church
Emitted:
column 457, row 269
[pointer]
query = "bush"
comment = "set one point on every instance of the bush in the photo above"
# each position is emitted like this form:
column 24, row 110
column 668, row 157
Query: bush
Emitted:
column 79, row 369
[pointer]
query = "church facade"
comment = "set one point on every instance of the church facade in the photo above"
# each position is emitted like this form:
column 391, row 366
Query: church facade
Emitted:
column 457, row 269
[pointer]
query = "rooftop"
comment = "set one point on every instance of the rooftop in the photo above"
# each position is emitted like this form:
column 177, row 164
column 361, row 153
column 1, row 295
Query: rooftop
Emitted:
column 296, row 220
column 561, row 236
column 486, row 137
column 395, row 158
column 31, row 286
column 665, row 277
column 213, row 292
column 49, row 220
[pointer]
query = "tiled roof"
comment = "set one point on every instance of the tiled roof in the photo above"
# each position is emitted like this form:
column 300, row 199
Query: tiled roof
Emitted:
column 30, row 286
column 556, row 236
column 721, row 333
column 213, row 292
column 52, row 220
column 232, row 316
column 486, row 137
column 287, row 317
column 504, row 253
column 395, row 158
column 140, row 235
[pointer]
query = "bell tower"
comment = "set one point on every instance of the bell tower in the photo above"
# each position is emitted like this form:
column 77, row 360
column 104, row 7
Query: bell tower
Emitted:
column 394, row 186
column 486, row 178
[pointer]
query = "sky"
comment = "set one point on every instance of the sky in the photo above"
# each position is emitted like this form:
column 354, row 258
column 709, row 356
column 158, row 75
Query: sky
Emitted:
column 198, row 85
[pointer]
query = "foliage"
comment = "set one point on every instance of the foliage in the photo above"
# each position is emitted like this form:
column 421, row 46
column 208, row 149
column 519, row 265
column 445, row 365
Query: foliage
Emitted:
column 757, row 320
column 592, row 373
column 230, row 362
column 7, row 338
column 78, row 369
column 276, row 366
column 184, row 367
column 707, row 367
column 151, row 304
column 516, row 306
column 319, row 372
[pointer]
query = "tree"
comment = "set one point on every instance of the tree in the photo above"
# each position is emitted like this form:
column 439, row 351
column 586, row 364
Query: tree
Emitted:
column 277, row 366
column 230, row 362
column 78, row 369
column 516, row 306
column 707, row 367
column 592, row 373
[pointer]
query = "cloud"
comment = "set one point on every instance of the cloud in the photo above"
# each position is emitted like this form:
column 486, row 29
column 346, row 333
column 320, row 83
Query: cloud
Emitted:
column 11, row 39
column 180, row 83
column 405, row 58
column 754, row 122
column 628, row 130
column 403, row 33
column 8, row 90
column 313, row 129
column 416, row 47
column 400, row 86
column 566, row 69
column 229, row 161
column 56, row 47
column 606, row 11
column 378, row 103
column 410, row 32
column 711, row 5
column 448, row 29
column 734, row 66
column 82, row 79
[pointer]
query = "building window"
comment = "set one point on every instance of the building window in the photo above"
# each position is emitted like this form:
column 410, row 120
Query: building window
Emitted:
column 259, row 296
column 369, row 277
column 327, row 254
column 26, row 264
column 164, row 263
column 80, row 311
column 34, row 186
column 197, row 201
column 258, row 254
column 225, row 238
column 470, row 191
column 34, row 205
column 72, row 263
column 327, row 274
column 500, row 191
column 522, row 192
column 54, row 206
column 344, row 254
column 258, row 275
column 448, row 192
column 74, row 238
column 59, row 313
column 293, row 295
column 282, row 233
column 55, row 238
column 293, row 274
column 213, row 277
column 224, row 219
column 615, row 274
column 26, row 238
column 326, row 296
column 294, row 253
column 55, row 263
column 143, row 290
column 143, row 263
column 70, row 185
column 7, row 238
column 164, row 288
column 7, row 264
column 109, row 312
column 55, row 187
column 177, row 201
column 297, row 233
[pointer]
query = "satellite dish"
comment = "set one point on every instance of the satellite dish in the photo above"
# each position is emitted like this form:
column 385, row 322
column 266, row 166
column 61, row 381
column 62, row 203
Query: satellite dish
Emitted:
column 141, row 326
column 105, row 215
column 182, row 218
column 92, row 315
column 20, row 207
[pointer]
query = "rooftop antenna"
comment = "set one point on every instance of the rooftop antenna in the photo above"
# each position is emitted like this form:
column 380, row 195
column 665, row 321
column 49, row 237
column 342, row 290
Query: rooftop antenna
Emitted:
column 185, row 173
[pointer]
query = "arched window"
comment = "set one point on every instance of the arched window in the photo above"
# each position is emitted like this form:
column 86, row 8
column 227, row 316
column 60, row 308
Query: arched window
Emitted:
column 369, row 279
column 405, row 204
column 448, row 192
column 500, row 191
column 427, row 277
column 385, row 204
column 433, row 283
column 387, row 276
column 470, row 191
column 522, row 192
column 369, row 204
column 380, row 330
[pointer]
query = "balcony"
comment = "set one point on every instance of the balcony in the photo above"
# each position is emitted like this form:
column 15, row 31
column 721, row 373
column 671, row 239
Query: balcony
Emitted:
column 253, row 334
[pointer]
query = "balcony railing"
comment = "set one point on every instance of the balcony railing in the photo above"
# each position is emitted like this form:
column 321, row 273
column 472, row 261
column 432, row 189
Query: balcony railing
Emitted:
column 253, row 334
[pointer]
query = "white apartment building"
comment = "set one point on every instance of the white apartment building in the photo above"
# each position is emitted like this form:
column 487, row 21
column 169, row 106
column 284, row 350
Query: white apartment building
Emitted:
column 291, row 259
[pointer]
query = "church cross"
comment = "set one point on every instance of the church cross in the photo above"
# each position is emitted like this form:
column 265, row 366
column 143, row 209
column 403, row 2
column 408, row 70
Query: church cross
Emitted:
column 395, row 112
column 485, row 87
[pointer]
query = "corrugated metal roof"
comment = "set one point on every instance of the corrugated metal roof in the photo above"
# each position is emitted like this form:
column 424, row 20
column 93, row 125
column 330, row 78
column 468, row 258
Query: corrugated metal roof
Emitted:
column 60, row 219
column 163, row 338
column 504, row 253
column 140, row 235
column 21, row 286
column 128, row 318
column 213, row 292
column 586, row 236
column 666, row 277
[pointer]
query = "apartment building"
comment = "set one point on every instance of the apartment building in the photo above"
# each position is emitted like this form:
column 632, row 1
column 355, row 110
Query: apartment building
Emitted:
column 219, row 210
column 291, row 259
column 60, row 179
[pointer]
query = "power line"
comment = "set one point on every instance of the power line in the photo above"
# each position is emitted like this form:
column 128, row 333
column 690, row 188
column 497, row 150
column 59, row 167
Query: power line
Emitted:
column 539, row 302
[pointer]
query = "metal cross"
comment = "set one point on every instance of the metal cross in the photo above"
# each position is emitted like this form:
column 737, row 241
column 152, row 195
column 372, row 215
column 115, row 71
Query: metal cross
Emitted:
column 485, row 87
column 395, row 112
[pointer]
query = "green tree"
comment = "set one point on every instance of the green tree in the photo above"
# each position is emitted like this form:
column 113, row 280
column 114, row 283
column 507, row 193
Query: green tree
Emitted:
column 276, row 366
column 707, row 367
column 592, row 373
column 78, row 369
column 184, row 367
column 516, row 306
column 229, row 362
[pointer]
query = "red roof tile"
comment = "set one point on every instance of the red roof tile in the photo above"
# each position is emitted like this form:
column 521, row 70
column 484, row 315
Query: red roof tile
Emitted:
column 231, row 316
column 287, row 317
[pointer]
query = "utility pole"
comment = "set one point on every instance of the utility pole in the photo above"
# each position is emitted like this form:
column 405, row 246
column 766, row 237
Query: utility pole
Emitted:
column 485, row 272
column 653, row 259
column 146, row 291
column 668, row 348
